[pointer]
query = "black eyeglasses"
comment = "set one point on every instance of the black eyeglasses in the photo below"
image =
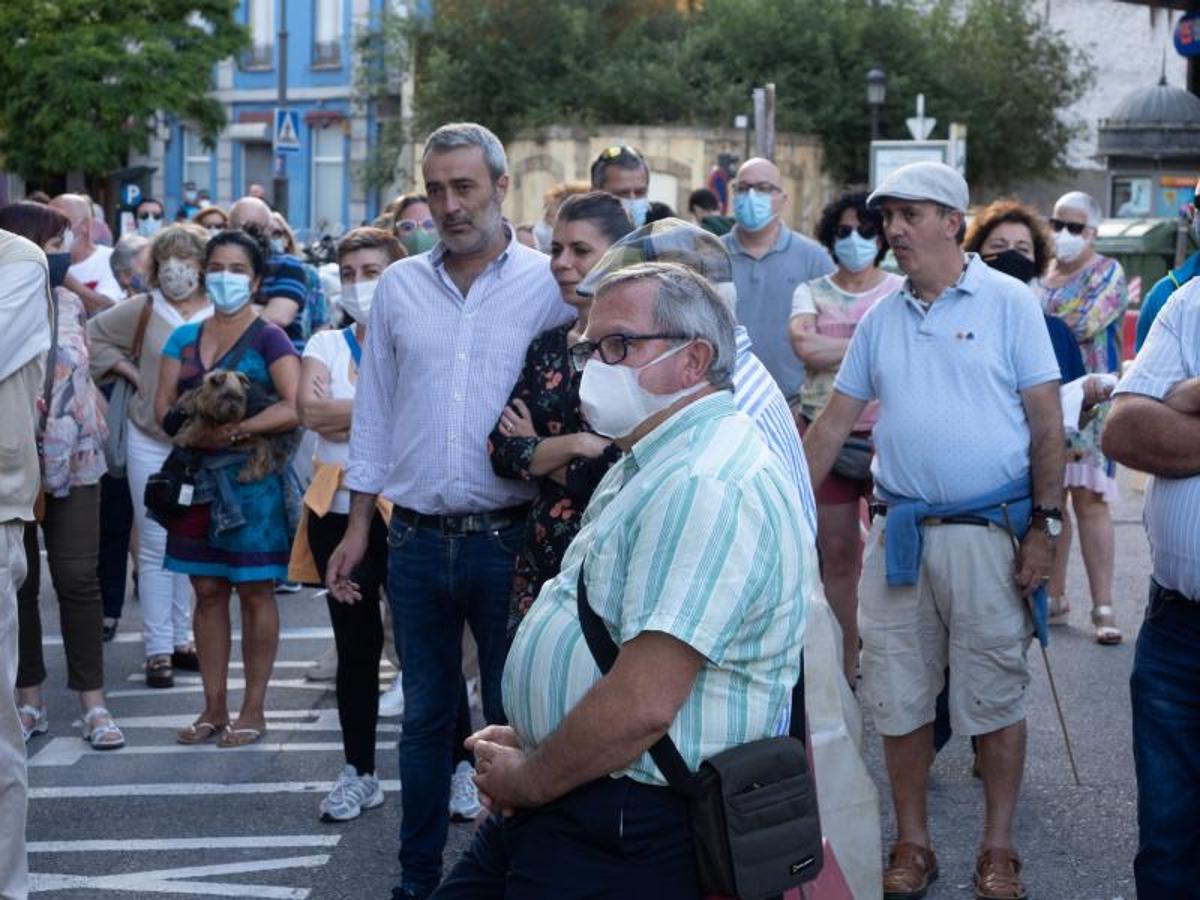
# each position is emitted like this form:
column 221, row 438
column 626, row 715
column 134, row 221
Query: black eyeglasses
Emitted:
column 866, row 229
column 1073, row 227
column 613, row 348
column 143, row 216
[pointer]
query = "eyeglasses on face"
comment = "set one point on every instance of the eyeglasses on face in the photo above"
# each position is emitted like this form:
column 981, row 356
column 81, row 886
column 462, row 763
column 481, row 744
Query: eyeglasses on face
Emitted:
column 143, row 216
column 866, row 229
column 762, row 187
column 408, row 226
column 613, row 348
column 1073, row 227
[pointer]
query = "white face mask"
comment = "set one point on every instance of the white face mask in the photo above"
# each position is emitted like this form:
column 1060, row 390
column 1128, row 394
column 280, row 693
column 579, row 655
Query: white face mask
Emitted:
column 357, row 297
column 543, row 234
column 1068, row 246
column 615, row 403
column 278, row 246
column 178, row 279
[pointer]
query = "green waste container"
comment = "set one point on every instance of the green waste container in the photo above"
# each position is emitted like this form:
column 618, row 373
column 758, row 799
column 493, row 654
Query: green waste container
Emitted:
column 1145, row 248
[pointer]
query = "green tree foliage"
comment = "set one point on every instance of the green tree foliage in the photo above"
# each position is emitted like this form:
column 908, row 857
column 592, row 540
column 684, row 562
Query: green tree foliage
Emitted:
column 86, row 81
column 994, row 65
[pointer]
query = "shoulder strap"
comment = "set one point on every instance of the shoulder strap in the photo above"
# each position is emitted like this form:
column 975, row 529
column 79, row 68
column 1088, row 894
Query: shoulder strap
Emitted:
column 664, row 752
column 139, row 334
column 1174, row 279
column 355, row 347
column 48, row 383
column 234, row 354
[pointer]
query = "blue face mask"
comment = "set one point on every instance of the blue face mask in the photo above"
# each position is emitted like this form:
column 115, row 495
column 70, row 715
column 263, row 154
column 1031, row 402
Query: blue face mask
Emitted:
column 636, row 207
column 228, row 291
column 150, row 226
column 855, row 252
column 752, row 210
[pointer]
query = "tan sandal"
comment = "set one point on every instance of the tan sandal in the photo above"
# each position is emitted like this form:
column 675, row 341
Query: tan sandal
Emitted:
column 911, row 869
column 1107, row 634
column 998, row 876
column 199, row 732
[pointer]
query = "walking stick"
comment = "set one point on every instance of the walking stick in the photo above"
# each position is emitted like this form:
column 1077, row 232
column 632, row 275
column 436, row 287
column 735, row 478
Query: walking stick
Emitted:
column 1045, row 657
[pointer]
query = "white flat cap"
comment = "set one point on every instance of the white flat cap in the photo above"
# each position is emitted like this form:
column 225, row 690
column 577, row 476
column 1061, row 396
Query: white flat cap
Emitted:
column 932, row 181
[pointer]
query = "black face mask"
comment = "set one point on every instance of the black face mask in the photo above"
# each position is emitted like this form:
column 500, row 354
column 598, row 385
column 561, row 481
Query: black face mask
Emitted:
column 1010, row 262
column 59, row 263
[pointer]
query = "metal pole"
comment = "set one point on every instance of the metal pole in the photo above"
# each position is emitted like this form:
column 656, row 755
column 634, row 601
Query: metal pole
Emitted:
column 280, row 183
column 760, row 122
column 874, row 121
column 770, row 123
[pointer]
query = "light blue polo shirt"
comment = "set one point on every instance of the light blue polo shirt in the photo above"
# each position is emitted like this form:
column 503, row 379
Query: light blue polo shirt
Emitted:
column 948, row 380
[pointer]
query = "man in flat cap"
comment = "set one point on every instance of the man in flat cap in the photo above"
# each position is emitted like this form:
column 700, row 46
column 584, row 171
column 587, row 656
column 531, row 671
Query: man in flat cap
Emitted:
column 969, row 458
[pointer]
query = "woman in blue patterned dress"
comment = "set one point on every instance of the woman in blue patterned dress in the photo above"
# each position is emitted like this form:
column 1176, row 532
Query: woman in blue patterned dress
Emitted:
column 243, row 540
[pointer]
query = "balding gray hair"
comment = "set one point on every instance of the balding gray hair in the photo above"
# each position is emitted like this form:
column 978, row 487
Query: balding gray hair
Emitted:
column 124, row 253
column 685, row 303
column 1085, row 203
column 456, row 135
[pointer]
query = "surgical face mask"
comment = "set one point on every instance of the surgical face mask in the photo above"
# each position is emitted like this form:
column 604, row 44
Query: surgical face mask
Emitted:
column 752, row 210
column 68, row 239
column 138, row 283
column 228, row 291
column 543, row 234
column 357, row 297
column 149, row 226
column 419, row 241
column 278, row 246
column 59, row 263
column 178, row 279
column 615, row 403
column 855, row 252
column 213, row 231
column 636, row 208
column 1014, row 263
column 189, row 196
column 1068, row 246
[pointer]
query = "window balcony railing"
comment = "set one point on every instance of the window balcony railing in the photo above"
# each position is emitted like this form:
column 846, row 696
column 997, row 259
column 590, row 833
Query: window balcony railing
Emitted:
column 259, row 56
column 327, row 54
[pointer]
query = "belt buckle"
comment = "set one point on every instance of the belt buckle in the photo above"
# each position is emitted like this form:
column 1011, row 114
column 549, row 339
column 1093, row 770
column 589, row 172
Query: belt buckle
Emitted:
column 454, row 526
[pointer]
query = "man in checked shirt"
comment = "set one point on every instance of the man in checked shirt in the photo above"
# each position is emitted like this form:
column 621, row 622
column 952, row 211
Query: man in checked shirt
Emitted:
column 447, row 338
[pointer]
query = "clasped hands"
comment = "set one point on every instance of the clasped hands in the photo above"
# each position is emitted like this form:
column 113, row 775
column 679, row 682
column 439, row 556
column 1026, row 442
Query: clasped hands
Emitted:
column 502, row 772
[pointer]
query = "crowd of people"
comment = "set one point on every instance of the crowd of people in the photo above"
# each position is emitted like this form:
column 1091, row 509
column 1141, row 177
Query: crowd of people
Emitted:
column 479, row 437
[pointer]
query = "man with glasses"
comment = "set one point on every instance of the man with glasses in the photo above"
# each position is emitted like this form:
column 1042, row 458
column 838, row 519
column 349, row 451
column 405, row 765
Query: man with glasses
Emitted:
column 284, row 288
column 623, row 172
column 1156, row 299
column 447, row 340
column 769, row 261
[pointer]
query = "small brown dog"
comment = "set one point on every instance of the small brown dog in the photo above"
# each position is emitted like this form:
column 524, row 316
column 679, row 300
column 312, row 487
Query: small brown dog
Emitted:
column 223, row 399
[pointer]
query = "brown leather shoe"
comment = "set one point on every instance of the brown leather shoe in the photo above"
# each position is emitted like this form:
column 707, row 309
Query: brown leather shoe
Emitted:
column 998, row 876
column 910, row 871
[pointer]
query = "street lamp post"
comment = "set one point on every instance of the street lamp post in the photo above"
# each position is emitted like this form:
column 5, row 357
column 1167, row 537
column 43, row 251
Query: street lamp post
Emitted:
column 876, row 94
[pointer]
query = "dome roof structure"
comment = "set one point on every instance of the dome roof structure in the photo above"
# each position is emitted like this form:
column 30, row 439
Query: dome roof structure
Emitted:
column 1157, row 122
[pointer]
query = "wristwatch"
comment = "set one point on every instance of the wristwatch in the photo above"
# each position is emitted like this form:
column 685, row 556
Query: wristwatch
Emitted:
column 1051, row 520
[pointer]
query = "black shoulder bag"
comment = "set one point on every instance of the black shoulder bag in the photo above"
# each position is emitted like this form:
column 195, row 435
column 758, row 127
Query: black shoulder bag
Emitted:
column 754, row 815
column 169, row 491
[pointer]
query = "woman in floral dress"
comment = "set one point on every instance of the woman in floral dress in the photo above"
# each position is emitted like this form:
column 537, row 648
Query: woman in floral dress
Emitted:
column 541, row 436
column 1087, row 291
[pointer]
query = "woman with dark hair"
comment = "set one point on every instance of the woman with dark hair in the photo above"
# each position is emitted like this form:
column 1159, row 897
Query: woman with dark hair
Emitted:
column 825, row 313
column 541, row 435
column 235, row 533
column 73, row 433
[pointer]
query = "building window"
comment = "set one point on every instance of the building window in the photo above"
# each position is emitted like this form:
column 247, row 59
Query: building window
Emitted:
column 1131, row 197
column 327, row 34
column 260, row 17
column 328, row 178
column 197, row 161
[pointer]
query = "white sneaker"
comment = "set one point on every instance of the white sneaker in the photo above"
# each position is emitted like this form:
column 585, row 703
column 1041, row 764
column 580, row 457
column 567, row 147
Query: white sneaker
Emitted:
column 391, row 701
column 324, row 667
column 350, row 796
column 464, row 796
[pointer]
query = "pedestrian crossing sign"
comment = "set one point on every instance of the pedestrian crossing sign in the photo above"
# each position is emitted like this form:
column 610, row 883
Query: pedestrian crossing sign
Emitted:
column 287, row 130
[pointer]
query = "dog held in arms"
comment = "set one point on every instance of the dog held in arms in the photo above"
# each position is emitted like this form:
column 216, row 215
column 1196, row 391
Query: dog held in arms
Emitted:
column 226, row 398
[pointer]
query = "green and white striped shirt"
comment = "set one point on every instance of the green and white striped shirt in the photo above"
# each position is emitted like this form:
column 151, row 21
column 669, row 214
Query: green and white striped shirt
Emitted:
column 698, row 532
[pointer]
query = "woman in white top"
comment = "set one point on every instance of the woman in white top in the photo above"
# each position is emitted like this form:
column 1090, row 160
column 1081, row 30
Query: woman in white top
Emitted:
column 825, row 313
column 328, row 377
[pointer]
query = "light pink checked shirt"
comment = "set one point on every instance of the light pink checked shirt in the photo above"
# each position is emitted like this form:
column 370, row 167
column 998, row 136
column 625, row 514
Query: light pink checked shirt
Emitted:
column 436, row 373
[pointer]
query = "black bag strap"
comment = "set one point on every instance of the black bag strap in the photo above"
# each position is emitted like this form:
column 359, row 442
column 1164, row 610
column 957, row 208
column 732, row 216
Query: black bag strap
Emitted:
column 664, row 752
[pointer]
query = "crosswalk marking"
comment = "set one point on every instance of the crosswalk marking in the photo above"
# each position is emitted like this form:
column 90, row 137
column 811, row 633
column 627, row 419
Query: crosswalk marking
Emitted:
column 135, row 637
column 68, row 751
column 172, row 881
column 191, row 789
column 191, row 684
column 248, row 842
column 309, row 720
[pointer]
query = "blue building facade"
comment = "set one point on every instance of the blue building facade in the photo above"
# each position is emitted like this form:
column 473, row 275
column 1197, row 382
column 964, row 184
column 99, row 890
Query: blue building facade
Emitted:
column 324, row 195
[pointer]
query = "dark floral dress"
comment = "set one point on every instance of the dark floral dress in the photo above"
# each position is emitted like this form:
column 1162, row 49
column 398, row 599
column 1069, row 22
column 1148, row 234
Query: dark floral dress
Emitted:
column 550, row 388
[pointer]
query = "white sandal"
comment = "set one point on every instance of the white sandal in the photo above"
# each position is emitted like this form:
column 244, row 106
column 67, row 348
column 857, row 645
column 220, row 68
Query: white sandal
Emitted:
column 41, row 722
column 106, row 736
column 1106, row 635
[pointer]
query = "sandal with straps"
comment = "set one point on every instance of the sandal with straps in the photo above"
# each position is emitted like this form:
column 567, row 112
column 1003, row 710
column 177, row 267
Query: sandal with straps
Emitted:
column 1107, row 635
column 40, row 722
column 105, row 735
column 998, row 876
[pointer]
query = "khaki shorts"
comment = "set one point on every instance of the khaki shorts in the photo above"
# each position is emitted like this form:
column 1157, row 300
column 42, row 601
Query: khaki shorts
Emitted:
column 965, row 611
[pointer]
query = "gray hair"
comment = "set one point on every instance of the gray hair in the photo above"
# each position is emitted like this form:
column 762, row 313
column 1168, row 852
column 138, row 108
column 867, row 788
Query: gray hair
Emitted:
column 1085, row 203
column 468, row 134
column 124, row 253
column 686, row 303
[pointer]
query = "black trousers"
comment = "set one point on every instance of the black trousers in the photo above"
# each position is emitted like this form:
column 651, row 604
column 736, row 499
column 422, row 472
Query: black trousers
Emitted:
column 609, row 839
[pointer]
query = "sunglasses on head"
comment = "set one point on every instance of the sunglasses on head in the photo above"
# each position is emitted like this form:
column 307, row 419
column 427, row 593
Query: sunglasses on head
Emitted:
column 617, row 150
column 1073, row 227
column 865, row 229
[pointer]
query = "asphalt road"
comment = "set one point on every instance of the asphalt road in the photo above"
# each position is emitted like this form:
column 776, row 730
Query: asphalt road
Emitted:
column 156, row 819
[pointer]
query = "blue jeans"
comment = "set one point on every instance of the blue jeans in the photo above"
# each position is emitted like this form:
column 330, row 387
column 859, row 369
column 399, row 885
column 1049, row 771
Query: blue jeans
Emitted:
column 1165, row 687
column 436, row 582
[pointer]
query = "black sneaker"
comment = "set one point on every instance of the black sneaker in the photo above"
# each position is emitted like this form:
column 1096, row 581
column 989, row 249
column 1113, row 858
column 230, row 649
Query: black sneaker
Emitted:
column 108, row 632
column 159, row 673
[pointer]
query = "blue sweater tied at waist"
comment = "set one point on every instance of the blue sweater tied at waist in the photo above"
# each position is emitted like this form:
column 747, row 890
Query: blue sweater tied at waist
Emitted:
column 904, row 543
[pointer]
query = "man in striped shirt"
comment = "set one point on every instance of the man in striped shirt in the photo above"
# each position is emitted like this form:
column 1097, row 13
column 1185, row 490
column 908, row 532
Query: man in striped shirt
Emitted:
column 694, row 550
column 1155, row 427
